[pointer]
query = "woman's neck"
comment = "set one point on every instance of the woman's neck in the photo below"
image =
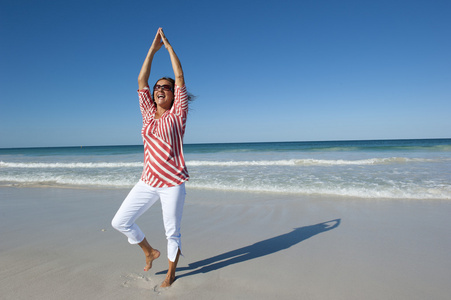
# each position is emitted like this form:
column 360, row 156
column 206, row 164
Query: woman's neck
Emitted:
column 160, row 111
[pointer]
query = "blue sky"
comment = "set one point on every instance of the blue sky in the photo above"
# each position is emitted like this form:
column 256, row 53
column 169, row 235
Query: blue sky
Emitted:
column 261, row 70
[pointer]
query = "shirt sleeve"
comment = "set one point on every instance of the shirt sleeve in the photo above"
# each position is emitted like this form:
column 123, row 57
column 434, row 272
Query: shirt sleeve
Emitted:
column 146, row 104
column 180, row 106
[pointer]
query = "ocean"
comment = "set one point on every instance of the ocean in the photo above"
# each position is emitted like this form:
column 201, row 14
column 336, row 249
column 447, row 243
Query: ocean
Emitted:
column 390, row 169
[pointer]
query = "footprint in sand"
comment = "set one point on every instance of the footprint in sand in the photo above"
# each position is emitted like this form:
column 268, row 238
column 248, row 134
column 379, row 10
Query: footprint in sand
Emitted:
column 139, row 281
column 134, row 280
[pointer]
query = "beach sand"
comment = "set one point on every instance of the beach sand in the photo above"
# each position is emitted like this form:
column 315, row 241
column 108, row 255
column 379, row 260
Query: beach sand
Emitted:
column 58, row 244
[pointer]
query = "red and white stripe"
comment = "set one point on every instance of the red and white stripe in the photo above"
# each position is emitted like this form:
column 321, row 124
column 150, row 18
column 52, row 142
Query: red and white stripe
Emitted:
column 164, row 164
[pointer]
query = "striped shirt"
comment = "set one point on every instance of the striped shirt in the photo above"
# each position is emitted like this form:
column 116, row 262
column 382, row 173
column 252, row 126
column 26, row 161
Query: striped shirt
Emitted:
column 164, row 164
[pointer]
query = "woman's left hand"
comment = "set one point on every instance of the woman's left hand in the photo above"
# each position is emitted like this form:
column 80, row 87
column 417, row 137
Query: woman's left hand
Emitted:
column 163, row 37
column 176, row 65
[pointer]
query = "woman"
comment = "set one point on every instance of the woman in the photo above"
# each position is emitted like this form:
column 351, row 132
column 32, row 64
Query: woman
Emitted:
column 164, row 175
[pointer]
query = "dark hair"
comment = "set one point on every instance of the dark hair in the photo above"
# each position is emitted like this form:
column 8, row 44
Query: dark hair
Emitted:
column 172, row 81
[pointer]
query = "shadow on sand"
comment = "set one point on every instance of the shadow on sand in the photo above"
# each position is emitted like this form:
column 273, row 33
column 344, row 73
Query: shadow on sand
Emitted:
column 258, row 249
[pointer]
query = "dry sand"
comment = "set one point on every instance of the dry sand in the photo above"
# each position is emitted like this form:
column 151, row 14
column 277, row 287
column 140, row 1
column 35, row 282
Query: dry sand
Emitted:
column 58, row 244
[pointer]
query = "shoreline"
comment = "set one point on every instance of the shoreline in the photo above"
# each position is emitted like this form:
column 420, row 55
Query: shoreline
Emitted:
column 58, row 243
column 200, row 190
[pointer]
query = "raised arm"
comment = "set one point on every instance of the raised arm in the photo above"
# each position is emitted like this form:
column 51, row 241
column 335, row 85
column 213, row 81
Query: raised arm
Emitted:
column 176, row 65
column 143, row 77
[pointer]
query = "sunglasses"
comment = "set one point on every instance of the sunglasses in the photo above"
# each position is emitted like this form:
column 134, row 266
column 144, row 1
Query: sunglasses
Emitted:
column 165, row 87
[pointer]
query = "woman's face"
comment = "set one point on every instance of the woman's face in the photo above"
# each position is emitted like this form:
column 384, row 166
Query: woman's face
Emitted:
column 162, row 95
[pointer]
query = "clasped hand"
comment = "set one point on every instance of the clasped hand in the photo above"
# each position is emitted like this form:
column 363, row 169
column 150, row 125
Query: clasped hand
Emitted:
column 160, row 40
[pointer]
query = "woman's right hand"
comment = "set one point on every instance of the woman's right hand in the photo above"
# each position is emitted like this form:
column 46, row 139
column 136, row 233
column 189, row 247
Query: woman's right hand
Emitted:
column 144, row 74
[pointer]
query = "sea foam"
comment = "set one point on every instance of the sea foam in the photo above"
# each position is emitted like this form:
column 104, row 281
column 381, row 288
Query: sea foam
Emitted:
column 412, row 169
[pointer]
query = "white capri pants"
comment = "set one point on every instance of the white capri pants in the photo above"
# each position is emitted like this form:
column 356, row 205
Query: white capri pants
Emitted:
column 139, row 200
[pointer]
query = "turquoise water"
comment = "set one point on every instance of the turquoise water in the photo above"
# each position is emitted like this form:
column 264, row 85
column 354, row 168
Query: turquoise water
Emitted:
column 395, row 169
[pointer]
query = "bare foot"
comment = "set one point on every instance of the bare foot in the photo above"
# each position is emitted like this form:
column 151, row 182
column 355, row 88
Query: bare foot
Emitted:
column 154, row 254
column 170, row 276
column 167, row 282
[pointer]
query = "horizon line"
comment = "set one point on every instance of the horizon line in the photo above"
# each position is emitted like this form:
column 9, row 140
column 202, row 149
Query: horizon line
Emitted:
column 218, row 143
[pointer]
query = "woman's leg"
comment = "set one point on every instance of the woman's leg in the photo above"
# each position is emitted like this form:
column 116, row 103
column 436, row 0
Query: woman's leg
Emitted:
column 170, row 276
column 172, row 202
column 138, row 201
